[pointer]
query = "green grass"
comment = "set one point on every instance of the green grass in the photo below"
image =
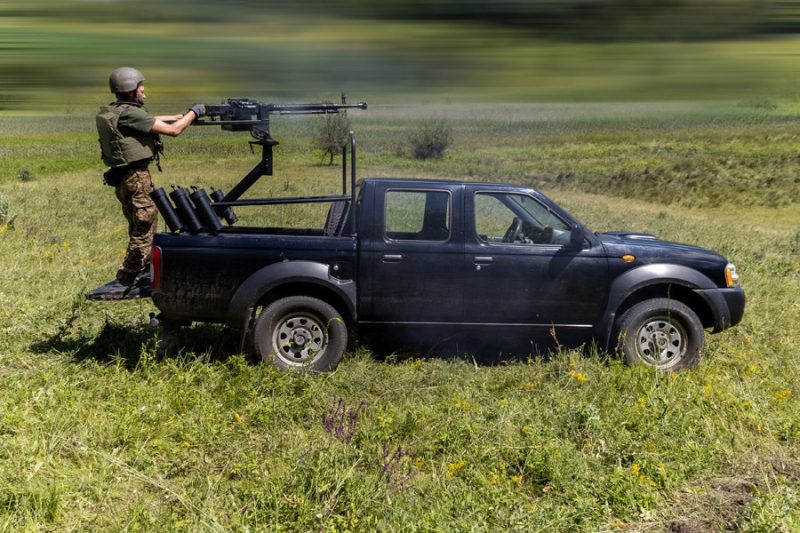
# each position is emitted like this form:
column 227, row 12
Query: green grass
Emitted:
column 99, row 430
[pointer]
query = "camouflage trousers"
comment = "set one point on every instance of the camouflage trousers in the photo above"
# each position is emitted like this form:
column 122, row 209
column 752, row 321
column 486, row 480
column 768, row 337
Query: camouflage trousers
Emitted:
column 133, row 192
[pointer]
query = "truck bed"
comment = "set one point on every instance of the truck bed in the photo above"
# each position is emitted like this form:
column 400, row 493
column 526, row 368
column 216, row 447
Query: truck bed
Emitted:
column 202, row 272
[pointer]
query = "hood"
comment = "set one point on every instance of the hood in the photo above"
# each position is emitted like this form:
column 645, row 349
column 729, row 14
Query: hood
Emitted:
column 647, row 248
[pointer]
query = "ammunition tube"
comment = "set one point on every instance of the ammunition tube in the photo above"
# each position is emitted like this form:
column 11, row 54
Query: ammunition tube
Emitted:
column 225, row 212
column 207, row 214
column 186, row 210
column 167, row 211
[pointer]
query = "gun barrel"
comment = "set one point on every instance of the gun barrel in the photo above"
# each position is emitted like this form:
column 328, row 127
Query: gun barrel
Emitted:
column 300, row 109
column 244, row 112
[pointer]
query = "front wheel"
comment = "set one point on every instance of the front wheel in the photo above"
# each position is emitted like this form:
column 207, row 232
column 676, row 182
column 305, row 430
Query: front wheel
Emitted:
column 663, row 333
column 300, row 332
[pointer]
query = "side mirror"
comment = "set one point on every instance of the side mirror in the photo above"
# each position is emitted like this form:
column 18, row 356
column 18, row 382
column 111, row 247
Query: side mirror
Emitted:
column 576, row 237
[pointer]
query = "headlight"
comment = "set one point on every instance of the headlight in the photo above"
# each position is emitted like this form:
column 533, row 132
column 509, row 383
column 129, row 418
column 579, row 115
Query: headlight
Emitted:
column 731, row 277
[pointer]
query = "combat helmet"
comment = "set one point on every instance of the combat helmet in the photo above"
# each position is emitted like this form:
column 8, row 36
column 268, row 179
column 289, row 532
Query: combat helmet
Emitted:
column 125, row 80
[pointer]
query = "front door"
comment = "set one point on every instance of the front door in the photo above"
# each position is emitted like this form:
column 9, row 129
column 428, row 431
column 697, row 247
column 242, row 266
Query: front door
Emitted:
column 521, row 270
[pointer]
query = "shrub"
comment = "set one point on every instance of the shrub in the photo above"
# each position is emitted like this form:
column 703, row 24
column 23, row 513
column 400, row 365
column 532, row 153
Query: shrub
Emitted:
column 430, row 139
column 332, row 133
column 26, row 175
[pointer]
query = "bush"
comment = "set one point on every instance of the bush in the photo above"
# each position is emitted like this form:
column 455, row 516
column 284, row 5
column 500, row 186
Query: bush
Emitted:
column 430, row 139
column 332, row 133
column 26, row 175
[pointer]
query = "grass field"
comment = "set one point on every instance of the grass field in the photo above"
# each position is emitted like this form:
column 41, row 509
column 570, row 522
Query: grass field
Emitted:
column 99, row 431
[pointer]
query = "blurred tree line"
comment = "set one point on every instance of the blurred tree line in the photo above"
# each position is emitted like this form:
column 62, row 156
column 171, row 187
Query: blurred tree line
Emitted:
column 521, row 50
column 618, row 20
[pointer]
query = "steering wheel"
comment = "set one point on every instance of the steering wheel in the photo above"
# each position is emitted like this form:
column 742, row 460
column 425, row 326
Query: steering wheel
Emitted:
column 546, row 236
column 513, row 230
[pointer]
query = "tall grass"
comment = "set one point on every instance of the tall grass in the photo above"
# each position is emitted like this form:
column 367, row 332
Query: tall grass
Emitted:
column 100, row 430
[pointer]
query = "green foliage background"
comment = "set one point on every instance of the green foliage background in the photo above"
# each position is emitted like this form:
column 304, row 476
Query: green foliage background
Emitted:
column 59, row 54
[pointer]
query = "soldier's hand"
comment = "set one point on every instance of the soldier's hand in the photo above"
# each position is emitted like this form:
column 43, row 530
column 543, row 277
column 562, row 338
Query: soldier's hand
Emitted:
column 198, row 109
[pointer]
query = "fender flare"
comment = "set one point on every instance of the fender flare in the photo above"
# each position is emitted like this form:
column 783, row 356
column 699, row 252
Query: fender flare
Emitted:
column 270, row 277
column 659, row 274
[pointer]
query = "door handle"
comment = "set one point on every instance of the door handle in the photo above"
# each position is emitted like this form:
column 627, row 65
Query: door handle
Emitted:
column 482, row 260
column 392, row 258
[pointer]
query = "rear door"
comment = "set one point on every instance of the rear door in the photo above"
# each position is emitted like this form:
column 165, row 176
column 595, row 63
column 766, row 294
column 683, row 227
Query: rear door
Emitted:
column 412, row 256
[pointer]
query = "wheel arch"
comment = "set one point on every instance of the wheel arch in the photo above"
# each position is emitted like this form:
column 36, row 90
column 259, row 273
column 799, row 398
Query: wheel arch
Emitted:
column 301, row 278
column 677, row 282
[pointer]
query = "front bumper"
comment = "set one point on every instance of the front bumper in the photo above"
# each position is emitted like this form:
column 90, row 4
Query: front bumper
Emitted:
column 727, row 306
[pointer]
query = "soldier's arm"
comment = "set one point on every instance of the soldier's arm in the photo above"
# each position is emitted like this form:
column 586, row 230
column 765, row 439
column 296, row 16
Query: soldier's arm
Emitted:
column 168, row 118
column 173, row 129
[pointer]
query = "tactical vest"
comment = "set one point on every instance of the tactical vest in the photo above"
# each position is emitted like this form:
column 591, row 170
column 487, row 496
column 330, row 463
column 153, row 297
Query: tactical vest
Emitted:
column 116, row 149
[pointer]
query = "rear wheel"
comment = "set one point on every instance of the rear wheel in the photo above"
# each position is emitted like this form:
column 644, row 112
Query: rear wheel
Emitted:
column 300, row 332
column 663, row 333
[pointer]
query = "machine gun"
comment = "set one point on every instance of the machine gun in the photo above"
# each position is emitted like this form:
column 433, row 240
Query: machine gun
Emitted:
column 243, row 114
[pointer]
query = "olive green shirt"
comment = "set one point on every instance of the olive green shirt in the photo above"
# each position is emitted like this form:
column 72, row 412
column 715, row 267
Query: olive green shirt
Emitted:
column 135, row 119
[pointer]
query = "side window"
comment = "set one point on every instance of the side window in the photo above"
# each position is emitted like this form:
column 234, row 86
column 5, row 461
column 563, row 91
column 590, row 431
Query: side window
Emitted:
column 417, row 215
column 517, row 219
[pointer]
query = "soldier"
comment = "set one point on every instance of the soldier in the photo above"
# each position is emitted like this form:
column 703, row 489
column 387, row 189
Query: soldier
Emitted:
column 129, row 141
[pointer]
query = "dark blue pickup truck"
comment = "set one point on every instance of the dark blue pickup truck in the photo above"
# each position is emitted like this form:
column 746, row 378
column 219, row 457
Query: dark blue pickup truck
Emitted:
column 439, row 256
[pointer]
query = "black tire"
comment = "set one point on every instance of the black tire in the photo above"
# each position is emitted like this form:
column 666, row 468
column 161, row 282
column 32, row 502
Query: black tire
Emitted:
column 300, row 332
column 662, row 333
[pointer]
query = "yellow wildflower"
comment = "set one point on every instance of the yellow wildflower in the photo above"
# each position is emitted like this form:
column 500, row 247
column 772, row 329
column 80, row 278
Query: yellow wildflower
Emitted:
column 455, row 469
column 782, row 395
column 237, row 417
column 517, row 480
column 578, row 376
column 635, row 469
column 504, row 402
column 462, row 404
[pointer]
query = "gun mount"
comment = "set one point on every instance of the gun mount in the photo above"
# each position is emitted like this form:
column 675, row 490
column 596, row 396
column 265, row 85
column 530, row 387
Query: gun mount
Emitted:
column 243, row 114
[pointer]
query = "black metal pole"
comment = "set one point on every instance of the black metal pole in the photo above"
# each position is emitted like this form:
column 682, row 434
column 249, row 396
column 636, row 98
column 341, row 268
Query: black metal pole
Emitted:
column 344, row 169
column 353, row 225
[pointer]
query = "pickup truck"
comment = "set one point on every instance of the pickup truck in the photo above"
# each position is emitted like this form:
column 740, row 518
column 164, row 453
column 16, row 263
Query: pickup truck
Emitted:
column 441, row 256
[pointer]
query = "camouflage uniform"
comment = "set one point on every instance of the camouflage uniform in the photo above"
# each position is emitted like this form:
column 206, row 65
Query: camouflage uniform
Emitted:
column 133, row 193
column 128, row 146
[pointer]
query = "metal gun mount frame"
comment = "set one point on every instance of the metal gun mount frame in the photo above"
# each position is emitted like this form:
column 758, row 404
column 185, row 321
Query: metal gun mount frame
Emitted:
column 243, row 114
